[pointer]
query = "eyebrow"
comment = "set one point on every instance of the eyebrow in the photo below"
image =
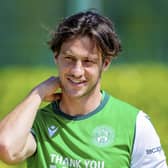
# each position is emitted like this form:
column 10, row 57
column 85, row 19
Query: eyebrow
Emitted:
column 70, row 53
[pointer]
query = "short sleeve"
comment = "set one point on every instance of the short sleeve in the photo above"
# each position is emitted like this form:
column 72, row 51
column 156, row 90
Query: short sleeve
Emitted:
column 147, row 150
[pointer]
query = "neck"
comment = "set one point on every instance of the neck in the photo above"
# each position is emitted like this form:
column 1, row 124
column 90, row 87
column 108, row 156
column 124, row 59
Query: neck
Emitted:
column 80, row 105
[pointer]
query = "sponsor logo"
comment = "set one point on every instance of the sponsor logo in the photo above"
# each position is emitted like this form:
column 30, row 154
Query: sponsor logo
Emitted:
column 52, row 130
column 103, row 136
column 153, row 150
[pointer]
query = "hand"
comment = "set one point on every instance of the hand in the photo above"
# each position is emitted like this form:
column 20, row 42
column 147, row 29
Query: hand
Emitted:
column 47, row 89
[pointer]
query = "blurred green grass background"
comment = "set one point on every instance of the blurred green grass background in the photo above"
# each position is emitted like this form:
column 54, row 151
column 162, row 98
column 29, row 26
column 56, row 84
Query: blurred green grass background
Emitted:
column 145, row 86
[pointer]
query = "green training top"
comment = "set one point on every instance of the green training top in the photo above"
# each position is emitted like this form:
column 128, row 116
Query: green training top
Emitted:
column 101, row 139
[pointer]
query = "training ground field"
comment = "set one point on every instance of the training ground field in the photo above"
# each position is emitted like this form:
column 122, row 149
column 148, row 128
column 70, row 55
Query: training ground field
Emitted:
column 145, row 86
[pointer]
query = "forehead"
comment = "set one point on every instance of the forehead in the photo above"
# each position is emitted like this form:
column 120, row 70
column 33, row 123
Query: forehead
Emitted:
column 82, row 46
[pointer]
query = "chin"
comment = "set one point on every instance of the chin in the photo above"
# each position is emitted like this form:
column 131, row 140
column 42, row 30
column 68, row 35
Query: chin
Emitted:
column 75, row 94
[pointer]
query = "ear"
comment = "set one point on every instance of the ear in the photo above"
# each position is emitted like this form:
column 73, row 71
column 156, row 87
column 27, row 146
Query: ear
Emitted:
column 55, row 57
column 106, row 63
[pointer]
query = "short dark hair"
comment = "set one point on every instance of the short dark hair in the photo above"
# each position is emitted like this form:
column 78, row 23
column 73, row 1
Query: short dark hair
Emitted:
column 90, row 24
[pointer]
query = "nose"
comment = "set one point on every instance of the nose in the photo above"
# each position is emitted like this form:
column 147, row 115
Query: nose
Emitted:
column 77, row 69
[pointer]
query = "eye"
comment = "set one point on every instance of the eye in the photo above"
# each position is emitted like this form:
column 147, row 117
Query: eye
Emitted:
column 88, row 62
column 68, row 58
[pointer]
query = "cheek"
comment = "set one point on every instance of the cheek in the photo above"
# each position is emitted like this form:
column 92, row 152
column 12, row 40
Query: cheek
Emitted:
column 94, row 73
column 61, row 66
column 64, row 65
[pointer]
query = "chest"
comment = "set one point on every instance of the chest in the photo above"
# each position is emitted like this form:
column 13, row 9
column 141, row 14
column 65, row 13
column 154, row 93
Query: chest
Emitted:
column 88, row 144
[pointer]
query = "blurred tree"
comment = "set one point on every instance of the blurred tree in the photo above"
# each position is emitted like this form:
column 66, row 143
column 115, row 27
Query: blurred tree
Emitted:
column 76, row 5
column 142, row 26
column 25, row 27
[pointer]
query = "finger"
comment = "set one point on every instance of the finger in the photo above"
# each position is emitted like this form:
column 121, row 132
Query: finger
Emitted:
column 57, row 96
column 55, row 81
column 53, row 97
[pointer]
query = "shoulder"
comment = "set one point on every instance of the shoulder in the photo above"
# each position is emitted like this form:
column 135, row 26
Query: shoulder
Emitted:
column 122, row 108
column 44, row 115
column 45, row 110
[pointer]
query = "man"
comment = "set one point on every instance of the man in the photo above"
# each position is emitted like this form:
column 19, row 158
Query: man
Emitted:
column 83, row 126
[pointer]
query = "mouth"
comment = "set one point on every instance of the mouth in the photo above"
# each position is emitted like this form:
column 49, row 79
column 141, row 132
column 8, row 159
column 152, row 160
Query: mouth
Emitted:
column 76, row 82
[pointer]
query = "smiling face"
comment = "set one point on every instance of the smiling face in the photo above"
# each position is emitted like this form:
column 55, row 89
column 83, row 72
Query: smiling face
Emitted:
column 80, row 66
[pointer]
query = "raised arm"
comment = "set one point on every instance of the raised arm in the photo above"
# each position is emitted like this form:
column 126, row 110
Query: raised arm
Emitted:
column 16, row 141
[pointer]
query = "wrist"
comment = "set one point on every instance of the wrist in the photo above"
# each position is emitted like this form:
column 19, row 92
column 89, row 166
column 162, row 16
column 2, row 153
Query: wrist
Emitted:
column 35, row 93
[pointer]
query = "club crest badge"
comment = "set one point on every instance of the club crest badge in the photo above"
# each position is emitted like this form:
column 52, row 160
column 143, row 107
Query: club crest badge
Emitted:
column 103, row 136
